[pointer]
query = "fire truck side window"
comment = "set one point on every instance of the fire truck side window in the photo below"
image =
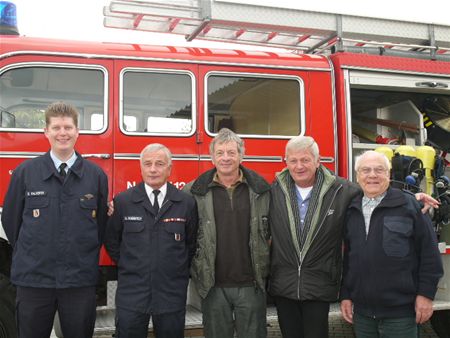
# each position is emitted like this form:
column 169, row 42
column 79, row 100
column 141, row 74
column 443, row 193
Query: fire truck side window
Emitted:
column 26, row 92
column 254, row 105
column 157, row 102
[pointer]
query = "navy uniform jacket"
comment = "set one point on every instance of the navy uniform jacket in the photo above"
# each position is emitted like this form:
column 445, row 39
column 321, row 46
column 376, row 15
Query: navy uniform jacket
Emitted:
column 55, row 228
column 153, row 252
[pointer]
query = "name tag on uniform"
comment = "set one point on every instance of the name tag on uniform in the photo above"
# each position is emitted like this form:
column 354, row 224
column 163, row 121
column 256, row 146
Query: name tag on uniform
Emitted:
column 133, row 218
column 36, row 193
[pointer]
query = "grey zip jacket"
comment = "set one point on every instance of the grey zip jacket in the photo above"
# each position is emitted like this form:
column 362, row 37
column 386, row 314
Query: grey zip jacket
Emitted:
column 313, row 273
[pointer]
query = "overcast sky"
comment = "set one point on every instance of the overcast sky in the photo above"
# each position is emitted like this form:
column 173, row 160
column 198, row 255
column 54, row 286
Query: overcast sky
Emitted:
column 83, row 19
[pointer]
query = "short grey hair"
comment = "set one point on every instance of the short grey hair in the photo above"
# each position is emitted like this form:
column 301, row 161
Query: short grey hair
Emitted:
column 302, row 143
column 226, row 135
column 364, row 155
column 152, row 147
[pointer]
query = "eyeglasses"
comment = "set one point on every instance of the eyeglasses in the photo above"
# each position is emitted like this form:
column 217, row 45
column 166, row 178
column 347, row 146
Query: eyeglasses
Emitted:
column 367, row 170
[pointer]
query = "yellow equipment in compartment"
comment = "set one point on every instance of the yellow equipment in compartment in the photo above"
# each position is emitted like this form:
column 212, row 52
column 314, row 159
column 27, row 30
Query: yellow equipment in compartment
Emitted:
column 425, row 153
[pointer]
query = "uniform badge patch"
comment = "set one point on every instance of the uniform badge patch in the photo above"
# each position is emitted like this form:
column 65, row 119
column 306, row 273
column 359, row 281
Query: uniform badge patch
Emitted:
column 177, row 237
column 36, row 213
column 94, row 213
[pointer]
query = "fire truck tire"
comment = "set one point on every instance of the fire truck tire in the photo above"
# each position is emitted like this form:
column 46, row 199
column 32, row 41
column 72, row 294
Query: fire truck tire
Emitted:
column 7, row 308
column 440, row 321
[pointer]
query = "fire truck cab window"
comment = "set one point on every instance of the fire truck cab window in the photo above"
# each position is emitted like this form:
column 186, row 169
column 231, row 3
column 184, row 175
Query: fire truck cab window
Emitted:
column 26, row 92
column 251, row 105
column 157, row 102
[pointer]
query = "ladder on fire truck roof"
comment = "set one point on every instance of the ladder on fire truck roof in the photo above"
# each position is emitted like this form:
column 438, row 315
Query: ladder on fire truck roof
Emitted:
column 299, row 30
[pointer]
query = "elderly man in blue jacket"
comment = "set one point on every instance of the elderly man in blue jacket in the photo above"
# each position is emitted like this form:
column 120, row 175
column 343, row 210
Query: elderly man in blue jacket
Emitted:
column 151, row 237
column 392, row 263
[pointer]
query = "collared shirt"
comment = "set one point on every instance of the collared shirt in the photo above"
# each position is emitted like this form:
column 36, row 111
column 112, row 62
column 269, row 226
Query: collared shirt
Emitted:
column 151, row 196
column 230, row 190
column 57, row 162
column 368, row 205
column 303, row 198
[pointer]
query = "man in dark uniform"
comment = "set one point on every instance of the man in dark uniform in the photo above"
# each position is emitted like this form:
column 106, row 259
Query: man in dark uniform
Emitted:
column 151, row 237
column 54, row 215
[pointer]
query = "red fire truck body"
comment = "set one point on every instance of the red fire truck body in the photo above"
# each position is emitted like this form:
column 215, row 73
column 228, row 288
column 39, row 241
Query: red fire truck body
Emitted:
column 130, row 95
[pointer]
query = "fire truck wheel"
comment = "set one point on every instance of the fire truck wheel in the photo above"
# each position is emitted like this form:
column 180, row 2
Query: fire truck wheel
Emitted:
column 7, row 308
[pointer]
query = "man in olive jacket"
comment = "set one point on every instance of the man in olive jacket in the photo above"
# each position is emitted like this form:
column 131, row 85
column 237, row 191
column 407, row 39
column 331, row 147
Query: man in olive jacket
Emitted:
column 232, row 257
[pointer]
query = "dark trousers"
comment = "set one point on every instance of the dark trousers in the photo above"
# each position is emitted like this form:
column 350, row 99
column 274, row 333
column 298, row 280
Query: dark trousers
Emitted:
column 302, row 319
column 36, row 308
column 132, row 324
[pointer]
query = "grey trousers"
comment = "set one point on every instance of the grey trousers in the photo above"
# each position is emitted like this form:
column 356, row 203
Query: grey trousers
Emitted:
column 240, row 309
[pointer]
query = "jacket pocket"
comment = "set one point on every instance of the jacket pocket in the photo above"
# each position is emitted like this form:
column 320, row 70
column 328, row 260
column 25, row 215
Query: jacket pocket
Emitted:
column 396, row 233
column 36, row 209
column 133, row 226
column 175, row 230
column 36, row 217
column 88, row 208
column 36, row 202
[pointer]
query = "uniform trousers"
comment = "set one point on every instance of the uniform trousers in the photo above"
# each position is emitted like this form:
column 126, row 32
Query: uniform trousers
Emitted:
column 36, row 308
column 133, row 324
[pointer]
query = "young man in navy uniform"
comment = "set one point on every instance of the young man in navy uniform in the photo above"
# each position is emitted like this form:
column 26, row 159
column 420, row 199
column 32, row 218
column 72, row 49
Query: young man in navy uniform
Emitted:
column 151, row 236
column 54, row 215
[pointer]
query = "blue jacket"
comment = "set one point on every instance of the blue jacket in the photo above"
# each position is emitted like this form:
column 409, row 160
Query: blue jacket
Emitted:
column 55, row 228
column 153, row 252
column 399, row 260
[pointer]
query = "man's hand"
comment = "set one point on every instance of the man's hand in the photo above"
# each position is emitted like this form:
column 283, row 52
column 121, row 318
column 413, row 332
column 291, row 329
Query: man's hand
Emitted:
column 428, row 201
column 424, row 309
column 347, row 310
column 110, row 208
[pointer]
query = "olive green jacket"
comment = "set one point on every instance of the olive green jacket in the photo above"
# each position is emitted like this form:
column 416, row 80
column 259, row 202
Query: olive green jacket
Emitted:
column 203, row 264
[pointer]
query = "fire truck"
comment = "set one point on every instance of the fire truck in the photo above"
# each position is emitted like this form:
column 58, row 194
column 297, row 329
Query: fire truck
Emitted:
column 353, row 83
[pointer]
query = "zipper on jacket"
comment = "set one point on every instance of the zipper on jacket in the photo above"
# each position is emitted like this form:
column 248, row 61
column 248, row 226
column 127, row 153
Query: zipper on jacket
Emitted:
column 312, row 239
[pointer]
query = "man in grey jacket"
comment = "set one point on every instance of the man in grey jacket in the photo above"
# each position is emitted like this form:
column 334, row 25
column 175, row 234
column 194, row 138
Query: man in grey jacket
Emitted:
column 232, row 256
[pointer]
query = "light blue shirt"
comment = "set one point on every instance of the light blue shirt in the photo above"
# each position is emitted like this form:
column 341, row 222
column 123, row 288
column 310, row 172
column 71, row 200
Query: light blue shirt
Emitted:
column 302, row 206
column 70, row 162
